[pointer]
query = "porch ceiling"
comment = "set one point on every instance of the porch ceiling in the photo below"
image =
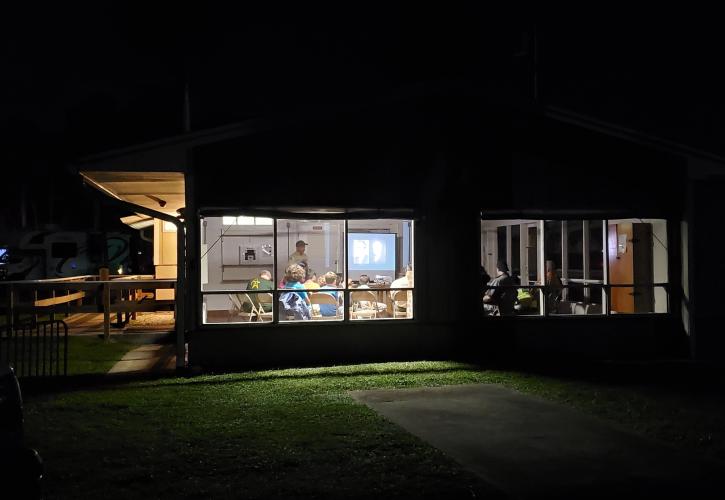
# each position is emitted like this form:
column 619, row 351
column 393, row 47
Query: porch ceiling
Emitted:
column 159, row 191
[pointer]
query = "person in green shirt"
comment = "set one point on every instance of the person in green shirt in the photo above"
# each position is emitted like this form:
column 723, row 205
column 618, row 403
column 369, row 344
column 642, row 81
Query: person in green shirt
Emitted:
column 262, row 282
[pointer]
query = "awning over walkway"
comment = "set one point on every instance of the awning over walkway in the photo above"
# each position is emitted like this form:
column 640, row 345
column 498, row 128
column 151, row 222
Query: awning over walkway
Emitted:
column 159, row 191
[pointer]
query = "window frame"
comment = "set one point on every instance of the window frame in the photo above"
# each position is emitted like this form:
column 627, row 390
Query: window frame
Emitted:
column 605, row 283
column 345, row 290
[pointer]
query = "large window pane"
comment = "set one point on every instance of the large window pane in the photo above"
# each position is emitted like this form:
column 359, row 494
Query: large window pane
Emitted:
column 575, row 257
column 511, row 294
column 311, row 255
column 236, row 258
column 380, row 269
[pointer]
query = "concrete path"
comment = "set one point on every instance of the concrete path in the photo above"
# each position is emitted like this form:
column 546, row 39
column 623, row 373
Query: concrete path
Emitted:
column 146, row 358
column 532, row 448
column 83, row 323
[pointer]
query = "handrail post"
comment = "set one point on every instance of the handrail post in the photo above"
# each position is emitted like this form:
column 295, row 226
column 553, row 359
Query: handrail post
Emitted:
column 52, row 310
column 10, row 312
column 104, row 275
column 35, row 311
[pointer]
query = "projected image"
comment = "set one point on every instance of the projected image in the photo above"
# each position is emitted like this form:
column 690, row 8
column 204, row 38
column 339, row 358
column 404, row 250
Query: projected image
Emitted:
column 378, row 252
column 360, row 252
column 371, row 251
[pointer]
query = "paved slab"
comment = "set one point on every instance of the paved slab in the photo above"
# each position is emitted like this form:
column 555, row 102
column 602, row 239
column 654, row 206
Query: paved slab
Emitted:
column 532, row 448
column 146, row 358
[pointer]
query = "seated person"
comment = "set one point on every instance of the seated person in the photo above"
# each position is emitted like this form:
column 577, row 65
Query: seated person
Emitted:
column 330, row 309
column 311, row 283
column 500, row 300
column 484, row 278
column 295, row 304
column 262, row 282
column 554, row 286
column 524, row 299
column 404, row 281
column 364, row 281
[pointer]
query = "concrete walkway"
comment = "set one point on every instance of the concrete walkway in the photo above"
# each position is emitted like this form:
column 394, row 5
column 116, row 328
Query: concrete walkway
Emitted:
column 83, row 323
column 147, row 358
column 532, row 448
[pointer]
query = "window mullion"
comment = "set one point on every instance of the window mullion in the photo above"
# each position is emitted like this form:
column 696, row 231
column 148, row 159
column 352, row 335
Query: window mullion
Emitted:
column 585, row 259
column 346, row 293
column 275, row 293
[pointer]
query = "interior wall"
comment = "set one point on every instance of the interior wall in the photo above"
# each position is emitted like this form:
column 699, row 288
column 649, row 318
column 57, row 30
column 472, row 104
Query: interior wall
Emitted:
column 165, row 257
column 217, row 249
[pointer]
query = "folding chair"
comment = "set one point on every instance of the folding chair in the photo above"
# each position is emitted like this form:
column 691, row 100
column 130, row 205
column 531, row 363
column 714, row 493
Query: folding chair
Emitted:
column 323, row 298
column 238, row 301
column 361, row 310
column 264, row 298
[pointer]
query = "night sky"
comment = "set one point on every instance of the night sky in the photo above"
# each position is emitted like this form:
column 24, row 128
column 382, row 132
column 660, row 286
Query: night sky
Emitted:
column 89, row 77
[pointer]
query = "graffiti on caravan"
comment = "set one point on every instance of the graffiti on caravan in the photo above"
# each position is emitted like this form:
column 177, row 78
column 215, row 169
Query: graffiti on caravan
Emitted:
column 61, row 254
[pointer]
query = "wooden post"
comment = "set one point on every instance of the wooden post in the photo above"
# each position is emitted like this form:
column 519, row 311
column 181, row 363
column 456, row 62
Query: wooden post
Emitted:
column 119, row 314
column 52, row 310
column 104, row 276
column 10, row 311
column 133, row 298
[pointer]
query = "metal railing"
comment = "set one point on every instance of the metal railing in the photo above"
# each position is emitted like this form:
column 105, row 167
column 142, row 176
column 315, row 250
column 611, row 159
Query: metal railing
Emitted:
column 543, row 292
column 278, row 315
column 37, row 349
column 82, row 294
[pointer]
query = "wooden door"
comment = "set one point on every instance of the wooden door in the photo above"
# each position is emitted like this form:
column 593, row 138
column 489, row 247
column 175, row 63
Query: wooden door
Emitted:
column 643, row 267
column 621, row 266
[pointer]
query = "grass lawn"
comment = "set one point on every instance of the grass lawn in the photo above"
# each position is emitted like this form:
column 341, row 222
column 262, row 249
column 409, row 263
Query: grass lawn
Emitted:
column 87, row 355
column 296, row 433
column 92, row 355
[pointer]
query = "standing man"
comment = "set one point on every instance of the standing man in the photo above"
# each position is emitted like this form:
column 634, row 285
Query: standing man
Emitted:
column 299, row 255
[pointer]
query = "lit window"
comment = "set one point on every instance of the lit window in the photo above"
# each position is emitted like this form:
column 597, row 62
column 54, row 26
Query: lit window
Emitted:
column 243, row 220
column 229, row 221
column 169, row 227
column 574, row 267
column 245, row 270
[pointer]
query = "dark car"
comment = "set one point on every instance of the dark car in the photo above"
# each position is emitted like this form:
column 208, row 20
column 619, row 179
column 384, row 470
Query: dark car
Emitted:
column 21, row 469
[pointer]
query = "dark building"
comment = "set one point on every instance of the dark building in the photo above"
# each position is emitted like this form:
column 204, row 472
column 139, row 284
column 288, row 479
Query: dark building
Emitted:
column 406, row 155
column 417, row 191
